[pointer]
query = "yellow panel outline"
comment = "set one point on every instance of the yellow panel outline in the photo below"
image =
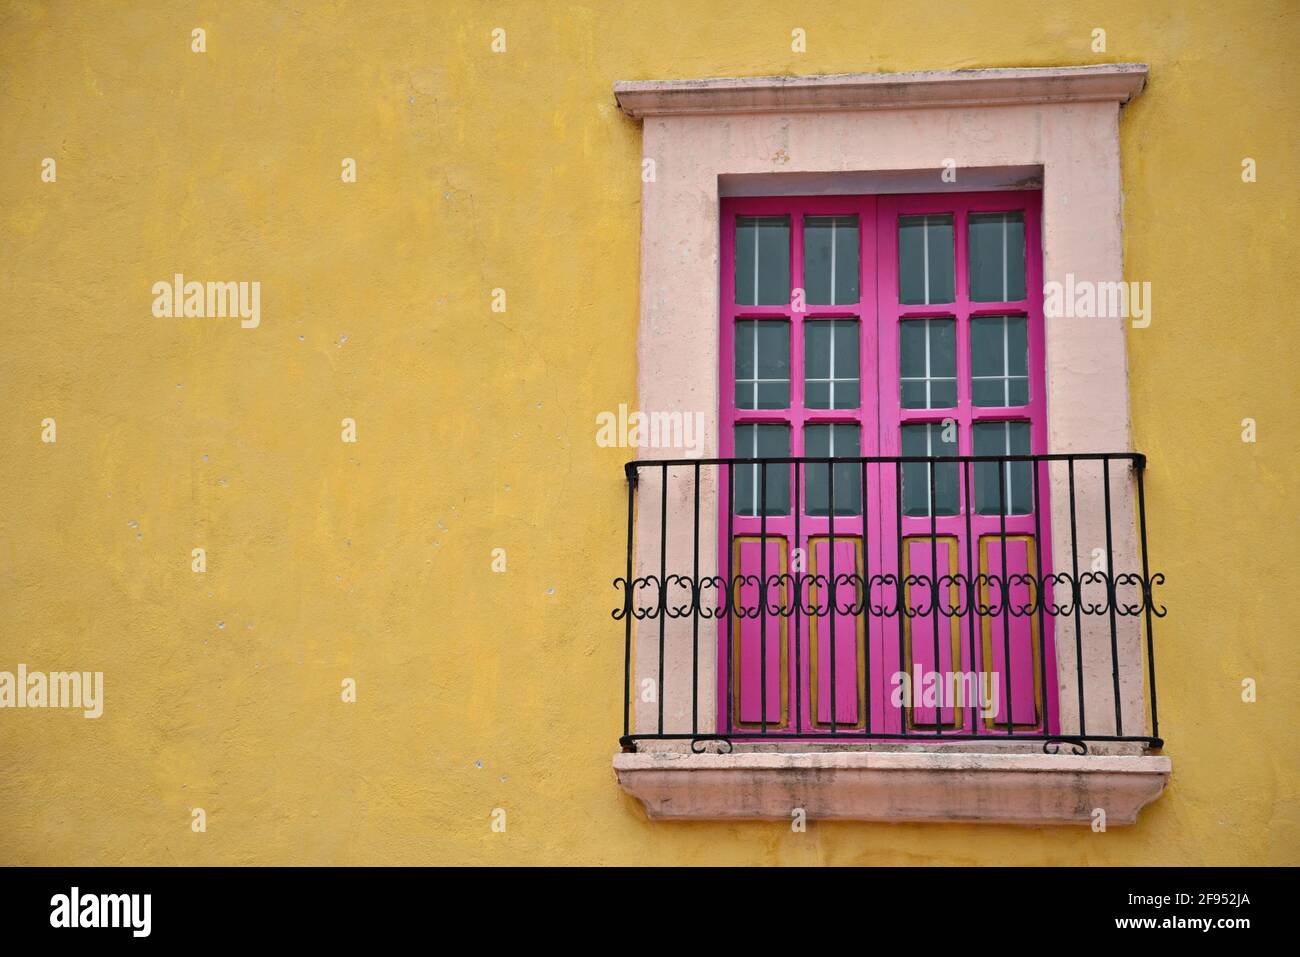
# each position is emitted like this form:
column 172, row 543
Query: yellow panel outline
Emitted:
column 784, row 640
column 986, row 622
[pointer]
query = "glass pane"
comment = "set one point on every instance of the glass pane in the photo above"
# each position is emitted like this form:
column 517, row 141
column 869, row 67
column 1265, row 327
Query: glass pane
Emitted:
column 1018, row 357
column 774, row 440
column 911, row 349
column 817, row 350
column 929, row 439
column 914, row 440
column 925, row 259
column 928, row 363
column 943, row 348
column 986, row 356
column 745, row 334
column 762, row 364
column 911, row 260
column 987, row 438
column 773, row 350
column 945, row 476
column 999, row 342
column 762, row 441
column 997, row 257
column 914, row 394
column 847, row 394
column 816, row 442
column 838, row 440
column 831, row 259
column 1017, row 345
column 762, row 260
column 847, row 359
column 831, row 344
column 846, row 263
column 943, row 394
column 773, row 395
column 987, row 392
column 1022, row 473
column 1002, row 438
column 1018, row 392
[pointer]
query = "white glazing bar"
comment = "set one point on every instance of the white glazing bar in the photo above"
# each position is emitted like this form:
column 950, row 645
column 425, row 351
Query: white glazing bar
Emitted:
column 929, row 402
column 1006, row 359
column 831, row 368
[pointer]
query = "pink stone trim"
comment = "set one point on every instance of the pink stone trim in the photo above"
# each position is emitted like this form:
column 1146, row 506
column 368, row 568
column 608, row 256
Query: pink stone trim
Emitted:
column 1067, row 129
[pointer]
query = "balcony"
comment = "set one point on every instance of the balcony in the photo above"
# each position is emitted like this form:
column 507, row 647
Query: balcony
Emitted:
column 897, row 638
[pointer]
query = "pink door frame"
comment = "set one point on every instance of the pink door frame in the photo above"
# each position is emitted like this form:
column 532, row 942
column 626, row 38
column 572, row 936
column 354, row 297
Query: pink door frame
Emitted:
column 777, row 652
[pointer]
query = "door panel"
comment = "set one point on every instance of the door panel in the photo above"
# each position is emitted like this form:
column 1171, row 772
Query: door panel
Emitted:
column 929, row 566
column 843, row 658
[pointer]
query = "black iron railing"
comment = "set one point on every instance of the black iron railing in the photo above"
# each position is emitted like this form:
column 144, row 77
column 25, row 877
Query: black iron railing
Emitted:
column 1035, row 595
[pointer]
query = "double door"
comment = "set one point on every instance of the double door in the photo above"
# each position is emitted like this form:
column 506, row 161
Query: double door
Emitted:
column 881, row 327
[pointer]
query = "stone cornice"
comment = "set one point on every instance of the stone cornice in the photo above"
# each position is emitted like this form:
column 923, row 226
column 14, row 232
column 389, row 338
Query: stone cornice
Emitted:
column 1113, row 82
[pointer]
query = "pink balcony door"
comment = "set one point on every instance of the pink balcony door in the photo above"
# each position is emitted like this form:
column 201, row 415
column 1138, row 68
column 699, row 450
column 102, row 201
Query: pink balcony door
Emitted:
column 882, row 326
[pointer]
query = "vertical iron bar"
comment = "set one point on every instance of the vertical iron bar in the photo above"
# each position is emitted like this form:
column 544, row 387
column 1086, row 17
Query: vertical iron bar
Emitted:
column 903, row 666
column 762, row 597
column 798, row 603
column 663, row 588
column 695, row 616
column 731, row 591
column 1003, row 474
column 1110, row 603
column 1140, row 465
column 1038, row 555
column 971, row 599
column 1077, row 598
column 831, row 589
column 627, row 612
column 866, row 600
column 934, row 605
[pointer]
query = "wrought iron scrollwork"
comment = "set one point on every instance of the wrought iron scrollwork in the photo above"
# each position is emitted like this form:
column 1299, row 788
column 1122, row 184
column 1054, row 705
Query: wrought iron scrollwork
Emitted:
column 1077, row 745
column 955, row 595
column 699, row 745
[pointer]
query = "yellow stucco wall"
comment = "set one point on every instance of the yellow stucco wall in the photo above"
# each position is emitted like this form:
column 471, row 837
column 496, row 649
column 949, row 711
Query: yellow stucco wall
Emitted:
column 476, row 429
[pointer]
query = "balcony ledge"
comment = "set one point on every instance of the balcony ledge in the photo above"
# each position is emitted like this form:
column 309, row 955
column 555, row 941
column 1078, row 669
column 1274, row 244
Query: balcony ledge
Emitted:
column 939, row 786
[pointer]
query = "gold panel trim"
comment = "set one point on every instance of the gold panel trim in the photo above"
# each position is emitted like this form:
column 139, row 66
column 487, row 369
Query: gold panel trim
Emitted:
column 986, row 622
column 784, row 641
